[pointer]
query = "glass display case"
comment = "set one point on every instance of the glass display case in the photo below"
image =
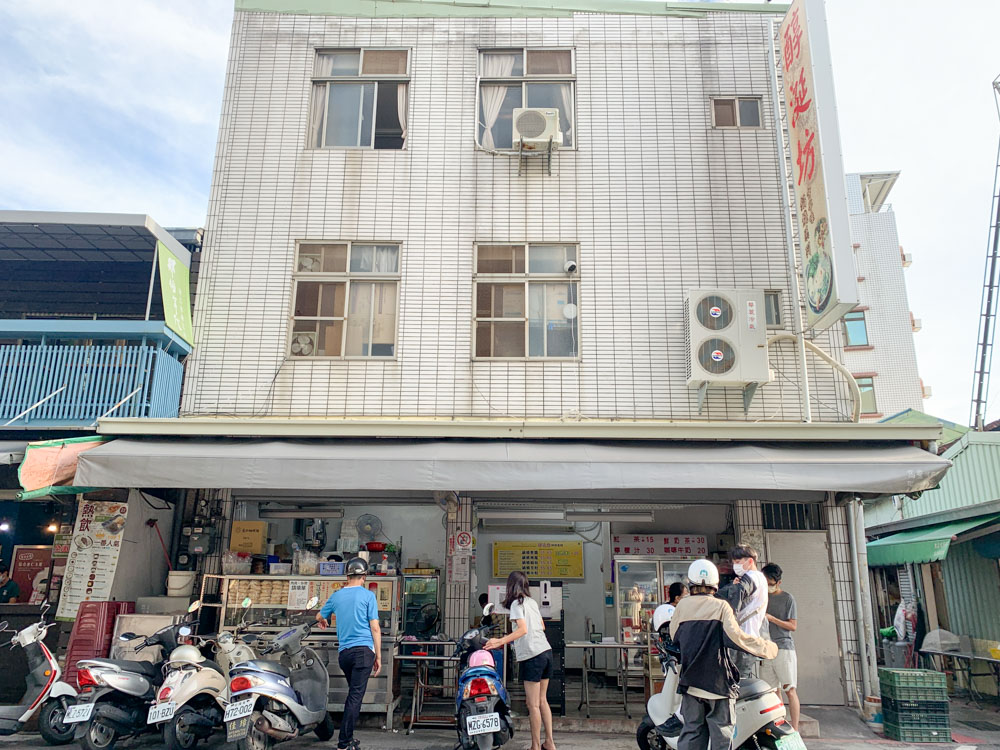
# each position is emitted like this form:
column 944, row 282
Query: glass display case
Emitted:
column 419, row 591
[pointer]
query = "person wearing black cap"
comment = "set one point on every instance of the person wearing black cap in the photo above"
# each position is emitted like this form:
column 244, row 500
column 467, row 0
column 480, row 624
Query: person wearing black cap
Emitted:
column 359, row 643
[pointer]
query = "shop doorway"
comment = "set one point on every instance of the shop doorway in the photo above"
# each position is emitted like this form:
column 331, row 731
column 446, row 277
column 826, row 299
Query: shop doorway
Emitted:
column 804, row 556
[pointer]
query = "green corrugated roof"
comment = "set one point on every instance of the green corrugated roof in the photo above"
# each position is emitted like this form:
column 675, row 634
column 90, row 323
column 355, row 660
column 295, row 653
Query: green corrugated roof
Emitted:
column 951, row 431
column 924, row 545
column 498, row 8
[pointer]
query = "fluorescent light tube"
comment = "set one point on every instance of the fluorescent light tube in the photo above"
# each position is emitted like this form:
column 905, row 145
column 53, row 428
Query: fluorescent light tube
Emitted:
column 299, row 513
column 519, row 515
column 645, row 517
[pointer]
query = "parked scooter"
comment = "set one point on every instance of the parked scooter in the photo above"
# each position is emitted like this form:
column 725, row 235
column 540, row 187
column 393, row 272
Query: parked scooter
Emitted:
column 115, row 694
column 481, row 704
column 195, row 693
column 277, row 701
column 758, row 724
column 44, row 688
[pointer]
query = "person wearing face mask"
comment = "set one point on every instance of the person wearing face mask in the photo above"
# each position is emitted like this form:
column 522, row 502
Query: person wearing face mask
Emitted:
column 782, row 671
column 748, row 597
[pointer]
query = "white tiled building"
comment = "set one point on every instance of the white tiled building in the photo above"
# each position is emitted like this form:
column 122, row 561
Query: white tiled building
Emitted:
column 878, row 335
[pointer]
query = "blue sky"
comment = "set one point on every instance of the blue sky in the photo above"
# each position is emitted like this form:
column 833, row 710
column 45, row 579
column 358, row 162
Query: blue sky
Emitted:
column 113, row 105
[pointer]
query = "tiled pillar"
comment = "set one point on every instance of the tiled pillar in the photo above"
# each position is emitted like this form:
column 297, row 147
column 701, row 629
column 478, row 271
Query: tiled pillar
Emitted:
column 458, row 576
column 840, row 564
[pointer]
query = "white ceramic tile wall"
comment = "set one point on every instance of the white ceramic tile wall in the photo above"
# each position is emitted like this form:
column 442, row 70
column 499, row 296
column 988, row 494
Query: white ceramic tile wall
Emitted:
column 883, row 292
column 658, row 201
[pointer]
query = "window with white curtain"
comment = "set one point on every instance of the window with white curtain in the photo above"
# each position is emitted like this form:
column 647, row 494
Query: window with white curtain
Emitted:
column 345, row 300
column 359, row 99
column 513, row 78
column 526, row 303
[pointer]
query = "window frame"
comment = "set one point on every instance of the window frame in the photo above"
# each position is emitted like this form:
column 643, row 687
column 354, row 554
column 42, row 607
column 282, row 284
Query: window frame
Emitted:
column 527, row 279
column 361, row 78
column 345, row 277
column 847, row 334
column 871, row 380
column 736, row 103
column 523, row 79
column 780, row 323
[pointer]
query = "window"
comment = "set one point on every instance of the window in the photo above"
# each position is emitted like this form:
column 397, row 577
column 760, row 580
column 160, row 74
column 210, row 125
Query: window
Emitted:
column 513, row 78
column 736, row 113
column 526, row 302
column 359, row 99
column 793, row 516
column 855, row 328
column 345, row 300
column 772, row 309
column 867, row 386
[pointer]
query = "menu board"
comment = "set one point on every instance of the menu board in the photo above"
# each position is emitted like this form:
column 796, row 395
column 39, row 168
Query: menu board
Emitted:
column 30, row 571
column 677, row 546
column 555, row 560
column 93, row 555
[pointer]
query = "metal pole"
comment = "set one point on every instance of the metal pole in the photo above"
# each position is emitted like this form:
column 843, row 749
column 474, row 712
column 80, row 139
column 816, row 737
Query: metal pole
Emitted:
column 859, row 616
column 152, row 280
column 34, row 406
column 779, row 142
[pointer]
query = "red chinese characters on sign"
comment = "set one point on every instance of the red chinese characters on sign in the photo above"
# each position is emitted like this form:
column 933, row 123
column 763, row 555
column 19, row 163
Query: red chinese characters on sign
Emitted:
column 679, row 545
column 800, row 99
column 792, row 37
column 806, row 158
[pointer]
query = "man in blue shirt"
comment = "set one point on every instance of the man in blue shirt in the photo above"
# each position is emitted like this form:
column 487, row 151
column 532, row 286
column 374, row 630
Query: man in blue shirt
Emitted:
column 359, row 643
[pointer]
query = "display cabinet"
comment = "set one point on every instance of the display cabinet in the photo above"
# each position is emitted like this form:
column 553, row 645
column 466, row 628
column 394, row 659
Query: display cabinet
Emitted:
column 419, row 591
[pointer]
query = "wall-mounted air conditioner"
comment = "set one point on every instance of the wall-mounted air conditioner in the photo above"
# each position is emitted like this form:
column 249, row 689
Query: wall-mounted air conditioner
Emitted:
column 534, row 127
column 727, row 337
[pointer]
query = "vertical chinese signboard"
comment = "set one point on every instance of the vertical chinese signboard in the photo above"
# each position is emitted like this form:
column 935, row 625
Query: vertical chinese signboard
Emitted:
column 176, row 291
column 93, row 555
column 828, row 269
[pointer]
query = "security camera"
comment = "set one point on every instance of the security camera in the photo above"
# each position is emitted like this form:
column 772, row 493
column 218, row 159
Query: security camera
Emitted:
column 570, row 266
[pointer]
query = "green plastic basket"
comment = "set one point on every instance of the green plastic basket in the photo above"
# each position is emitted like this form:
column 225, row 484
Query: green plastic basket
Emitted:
column 915, row 694
column 911, row 734
column 915, row 719
column 938, row 708
column 925, row 678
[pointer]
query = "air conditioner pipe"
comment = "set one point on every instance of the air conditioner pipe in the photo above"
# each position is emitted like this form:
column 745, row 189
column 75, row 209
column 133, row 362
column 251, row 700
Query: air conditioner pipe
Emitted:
column 859, row 615
column 851, row 382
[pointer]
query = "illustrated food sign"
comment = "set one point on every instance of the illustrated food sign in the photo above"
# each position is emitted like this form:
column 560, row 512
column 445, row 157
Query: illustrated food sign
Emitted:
column 828, row 270
column 93, row 555
column 555, row 560
column 176, row 291
column 681, row 546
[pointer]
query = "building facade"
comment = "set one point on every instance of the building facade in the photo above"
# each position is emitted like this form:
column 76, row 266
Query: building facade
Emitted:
column 878, row 334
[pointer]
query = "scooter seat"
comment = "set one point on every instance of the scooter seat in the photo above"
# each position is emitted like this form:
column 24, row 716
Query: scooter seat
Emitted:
column 751, row 688
column 266, row 666
column 145, row 668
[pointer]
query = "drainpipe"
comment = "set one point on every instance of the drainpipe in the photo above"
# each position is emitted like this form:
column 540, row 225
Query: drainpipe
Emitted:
column 859, row 617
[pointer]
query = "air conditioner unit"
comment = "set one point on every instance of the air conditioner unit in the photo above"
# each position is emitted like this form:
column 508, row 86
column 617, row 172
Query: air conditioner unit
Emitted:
column 727, row 337
column 534, row 127
column 303, row 344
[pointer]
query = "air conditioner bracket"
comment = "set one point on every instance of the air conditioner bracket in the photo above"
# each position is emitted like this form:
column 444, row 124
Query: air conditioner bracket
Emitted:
column 523, row 156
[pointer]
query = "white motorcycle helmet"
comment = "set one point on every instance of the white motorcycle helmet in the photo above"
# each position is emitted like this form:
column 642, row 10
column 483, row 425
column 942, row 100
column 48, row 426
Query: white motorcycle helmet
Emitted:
column 703, row 573
column 662, row 615
column 186, row 654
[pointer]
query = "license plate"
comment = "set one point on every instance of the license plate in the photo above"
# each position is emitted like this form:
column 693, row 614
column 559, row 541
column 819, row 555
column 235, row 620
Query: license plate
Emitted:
column 238, row 729
column 161, row 712
column 239, row 709
column 482, row 724
column 791, row 741
column 79, row 712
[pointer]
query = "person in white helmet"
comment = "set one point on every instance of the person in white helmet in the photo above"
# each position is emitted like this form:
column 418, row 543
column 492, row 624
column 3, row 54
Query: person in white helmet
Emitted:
column 704, row 628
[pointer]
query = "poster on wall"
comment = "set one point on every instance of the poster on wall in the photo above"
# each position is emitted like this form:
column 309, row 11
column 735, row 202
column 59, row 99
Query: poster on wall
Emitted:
column 828, row 270
column 29, row 569
column 677, row 546
column 555, row 560
column 93, row 555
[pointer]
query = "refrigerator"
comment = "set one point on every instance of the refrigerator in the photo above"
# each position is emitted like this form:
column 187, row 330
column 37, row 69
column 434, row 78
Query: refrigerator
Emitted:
column 418, row 591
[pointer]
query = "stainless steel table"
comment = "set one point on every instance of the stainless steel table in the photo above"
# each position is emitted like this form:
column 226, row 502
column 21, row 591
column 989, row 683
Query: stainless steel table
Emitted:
column 621, row 666
column 421, row 683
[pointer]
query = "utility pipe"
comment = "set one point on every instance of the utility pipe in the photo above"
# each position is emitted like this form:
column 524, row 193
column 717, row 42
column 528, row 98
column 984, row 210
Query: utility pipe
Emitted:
column 852, row 384
column 859, row 618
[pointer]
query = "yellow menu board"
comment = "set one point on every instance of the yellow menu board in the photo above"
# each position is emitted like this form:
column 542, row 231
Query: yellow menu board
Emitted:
column 555, row 560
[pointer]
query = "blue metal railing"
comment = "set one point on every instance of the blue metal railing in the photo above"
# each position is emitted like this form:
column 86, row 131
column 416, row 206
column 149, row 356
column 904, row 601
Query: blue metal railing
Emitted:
column 88, row 382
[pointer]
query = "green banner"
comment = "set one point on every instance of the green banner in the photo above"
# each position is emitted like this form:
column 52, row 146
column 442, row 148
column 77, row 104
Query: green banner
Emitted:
column 176, row 291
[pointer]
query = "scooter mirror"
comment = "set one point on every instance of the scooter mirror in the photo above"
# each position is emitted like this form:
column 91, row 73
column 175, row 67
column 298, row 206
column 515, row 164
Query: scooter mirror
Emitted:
column 129, row 636
column 488, row 609
column 3, row 626
column 195, row 606
column 184, row 631
column 311, row 604
column 246, row 603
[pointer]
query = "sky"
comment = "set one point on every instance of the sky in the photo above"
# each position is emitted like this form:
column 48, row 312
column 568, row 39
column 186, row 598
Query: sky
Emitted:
column 113, row 106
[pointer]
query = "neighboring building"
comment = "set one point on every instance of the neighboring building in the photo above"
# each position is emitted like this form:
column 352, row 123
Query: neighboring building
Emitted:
column 400, row 316
column 878, row 334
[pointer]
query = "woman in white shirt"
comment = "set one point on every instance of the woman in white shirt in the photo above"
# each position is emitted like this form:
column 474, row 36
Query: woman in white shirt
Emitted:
column 533, row 653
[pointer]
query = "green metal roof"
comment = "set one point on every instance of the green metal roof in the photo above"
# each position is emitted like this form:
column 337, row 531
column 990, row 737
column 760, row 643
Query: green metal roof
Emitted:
column 950, row 432
column 924, row 545
column 974, row 479
column 498, row 8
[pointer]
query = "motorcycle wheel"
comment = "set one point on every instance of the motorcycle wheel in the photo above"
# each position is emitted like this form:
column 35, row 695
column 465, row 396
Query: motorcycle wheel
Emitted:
column 256, row 739
column 176, row 735
column 50, row 723
column 98, row 736
column 484, row 741
column 326, row 728
column 647, row 738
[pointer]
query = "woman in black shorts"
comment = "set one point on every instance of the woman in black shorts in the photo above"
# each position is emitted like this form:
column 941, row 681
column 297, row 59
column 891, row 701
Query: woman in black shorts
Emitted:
column 533, row 653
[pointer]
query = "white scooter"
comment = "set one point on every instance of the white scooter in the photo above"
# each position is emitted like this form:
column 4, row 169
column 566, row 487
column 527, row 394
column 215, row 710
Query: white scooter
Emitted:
column 760, row 715
column 44, row 688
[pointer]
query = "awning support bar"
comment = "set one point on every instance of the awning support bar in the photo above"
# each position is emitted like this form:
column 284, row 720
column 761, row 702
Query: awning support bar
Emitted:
column 35, row 406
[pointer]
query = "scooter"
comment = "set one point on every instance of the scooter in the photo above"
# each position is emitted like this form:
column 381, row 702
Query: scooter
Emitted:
column 759, row 721
column 272, row 702
column 481, row 704
column 44, row 688
column 115, row 694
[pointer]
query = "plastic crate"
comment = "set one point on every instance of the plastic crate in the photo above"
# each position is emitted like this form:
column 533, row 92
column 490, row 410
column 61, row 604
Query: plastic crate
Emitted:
column 916, row 720
column 918, row 694
column 925, row 678
column 938, row 708
column 910, row 734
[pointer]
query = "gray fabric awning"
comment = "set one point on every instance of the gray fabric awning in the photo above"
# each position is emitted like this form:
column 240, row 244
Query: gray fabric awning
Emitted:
column 514, row 465
column 12, row 451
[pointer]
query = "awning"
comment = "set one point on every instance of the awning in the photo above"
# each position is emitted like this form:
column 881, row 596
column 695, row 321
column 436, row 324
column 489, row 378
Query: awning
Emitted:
column 928, row 544
column 511, row 465
column 12, row 452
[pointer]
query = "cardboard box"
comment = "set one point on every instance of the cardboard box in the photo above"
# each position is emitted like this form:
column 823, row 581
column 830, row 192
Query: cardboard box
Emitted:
column 249, row 536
